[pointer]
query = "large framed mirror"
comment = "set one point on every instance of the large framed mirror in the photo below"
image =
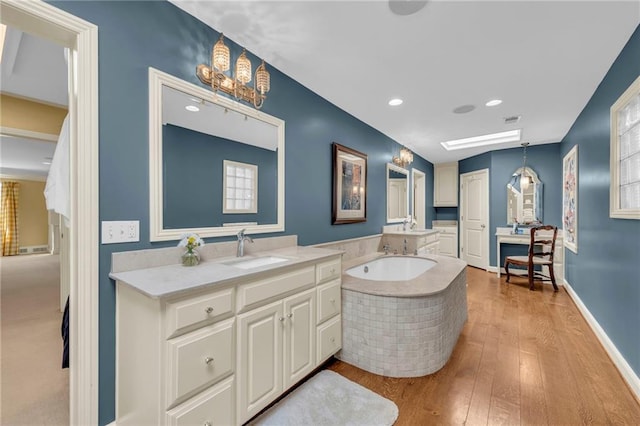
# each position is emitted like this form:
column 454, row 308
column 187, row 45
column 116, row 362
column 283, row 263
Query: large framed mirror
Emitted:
column 524, row 202
column 215, row 166
column 397, row 193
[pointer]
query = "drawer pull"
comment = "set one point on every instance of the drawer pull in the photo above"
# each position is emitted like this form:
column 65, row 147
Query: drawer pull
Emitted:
column 333, row 271
column 208, row 360
column 290, row 315
column 207, row 424
column 209, row 309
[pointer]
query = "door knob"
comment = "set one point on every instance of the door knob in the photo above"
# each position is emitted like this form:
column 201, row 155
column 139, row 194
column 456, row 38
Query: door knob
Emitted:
column 482, row 226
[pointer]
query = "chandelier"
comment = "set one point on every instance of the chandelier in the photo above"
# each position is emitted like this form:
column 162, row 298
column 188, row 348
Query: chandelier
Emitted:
column 404, row 159
column 525, row 180
column 236, row 84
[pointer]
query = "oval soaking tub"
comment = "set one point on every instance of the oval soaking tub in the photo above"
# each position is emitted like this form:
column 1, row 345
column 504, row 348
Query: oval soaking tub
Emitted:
column 392, row 268
column 401, row 324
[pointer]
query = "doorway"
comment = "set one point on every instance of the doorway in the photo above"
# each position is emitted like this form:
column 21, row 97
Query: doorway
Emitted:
column 474, row 218
column 81, row 37
column 419, row 180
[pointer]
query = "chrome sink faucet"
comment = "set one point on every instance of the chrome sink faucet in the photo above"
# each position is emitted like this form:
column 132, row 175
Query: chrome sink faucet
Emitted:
column 241, row 239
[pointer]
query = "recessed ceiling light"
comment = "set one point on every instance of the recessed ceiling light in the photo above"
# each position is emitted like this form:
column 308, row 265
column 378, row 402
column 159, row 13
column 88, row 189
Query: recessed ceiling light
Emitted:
column 475, row 141
column 192, row 108
column 395, row 102
column 494, row 102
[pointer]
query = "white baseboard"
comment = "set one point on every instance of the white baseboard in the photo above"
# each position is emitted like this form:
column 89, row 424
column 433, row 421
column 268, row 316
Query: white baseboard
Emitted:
column 493, row 269
column 621, row 364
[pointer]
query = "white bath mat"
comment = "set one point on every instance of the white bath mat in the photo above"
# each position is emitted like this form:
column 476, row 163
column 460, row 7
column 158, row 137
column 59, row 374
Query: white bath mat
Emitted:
column 328, row 399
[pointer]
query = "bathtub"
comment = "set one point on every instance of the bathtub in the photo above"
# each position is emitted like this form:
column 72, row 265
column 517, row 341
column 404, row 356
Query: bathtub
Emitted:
column 403, row 317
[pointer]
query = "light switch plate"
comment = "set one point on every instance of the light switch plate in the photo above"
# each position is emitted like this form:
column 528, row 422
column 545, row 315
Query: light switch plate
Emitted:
column 121, row 231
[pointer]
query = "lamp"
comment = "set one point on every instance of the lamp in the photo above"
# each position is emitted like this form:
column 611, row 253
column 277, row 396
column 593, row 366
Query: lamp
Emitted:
column 525, row 180
column 236, row 84
column 405, row 158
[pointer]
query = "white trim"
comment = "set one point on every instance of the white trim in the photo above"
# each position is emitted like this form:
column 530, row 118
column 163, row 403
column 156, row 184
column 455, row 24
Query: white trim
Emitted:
column 156, row 231
column 37, row 178
column 28, row 134
column 614, row 194
column 627, row 373
column 417, row 172
column 49, row 22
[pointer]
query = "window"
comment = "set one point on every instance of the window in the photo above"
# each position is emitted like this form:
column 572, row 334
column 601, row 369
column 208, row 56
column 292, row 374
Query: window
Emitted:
column 625, row 155
column 240, row 192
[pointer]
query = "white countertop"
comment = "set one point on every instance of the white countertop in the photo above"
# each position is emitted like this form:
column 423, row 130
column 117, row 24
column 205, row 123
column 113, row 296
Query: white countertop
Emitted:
column 170, row 280
column 416, row 232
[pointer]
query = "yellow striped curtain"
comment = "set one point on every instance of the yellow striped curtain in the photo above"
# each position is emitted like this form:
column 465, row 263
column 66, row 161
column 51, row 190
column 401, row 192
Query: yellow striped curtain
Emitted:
column 9, row 218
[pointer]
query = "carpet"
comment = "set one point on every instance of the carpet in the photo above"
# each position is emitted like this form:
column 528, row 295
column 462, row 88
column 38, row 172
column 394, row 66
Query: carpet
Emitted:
column 328, row 399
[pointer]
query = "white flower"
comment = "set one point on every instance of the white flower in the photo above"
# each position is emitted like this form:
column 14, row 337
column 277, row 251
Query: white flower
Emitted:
column 191, row 241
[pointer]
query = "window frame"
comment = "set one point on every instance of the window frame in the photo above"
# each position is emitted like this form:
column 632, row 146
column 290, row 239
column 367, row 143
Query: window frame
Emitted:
column 615, row 211
column 254, row 188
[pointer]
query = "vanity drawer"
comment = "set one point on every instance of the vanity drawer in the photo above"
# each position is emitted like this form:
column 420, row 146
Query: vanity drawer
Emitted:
column 199, row 359
column 213, row 407
column 206, row 309
column 329, row 270
column 252, row 294
column 329, row 303
column 329, row 339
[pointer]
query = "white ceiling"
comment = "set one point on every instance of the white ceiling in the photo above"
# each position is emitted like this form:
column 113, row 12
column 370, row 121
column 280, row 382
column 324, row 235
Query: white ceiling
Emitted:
column 544, row 59
column 34, row 69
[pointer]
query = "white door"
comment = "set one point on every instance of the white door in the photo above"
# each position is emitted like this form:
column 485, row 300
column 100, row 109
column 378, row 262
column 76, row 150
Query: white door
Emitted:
column 259, row 368
column 474, row 218
column 419, row 197
column 300, row 336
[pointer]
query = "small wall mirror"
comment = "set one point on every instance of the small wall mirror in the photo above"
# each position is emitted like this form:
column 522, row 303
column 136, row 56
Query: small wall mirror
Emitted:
column 397, row 193
column 524, row 204
column 215, row 166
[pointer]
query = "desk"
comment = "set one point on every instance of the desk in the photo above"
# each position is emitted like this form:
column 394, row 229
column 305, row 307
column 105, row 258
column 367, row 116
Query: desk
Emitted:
column 504, row 236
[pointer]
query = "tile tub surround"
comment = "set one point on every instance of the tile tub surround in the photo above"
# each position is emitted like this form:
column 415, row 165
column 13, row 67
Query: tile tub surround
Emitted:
column 404, row 329
column 356, row 247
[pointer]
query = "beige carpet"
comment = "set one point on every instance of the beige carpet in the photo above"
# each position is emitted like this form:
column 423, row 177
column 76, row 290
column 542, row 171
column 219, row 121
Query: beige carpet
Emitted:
column 34, row 389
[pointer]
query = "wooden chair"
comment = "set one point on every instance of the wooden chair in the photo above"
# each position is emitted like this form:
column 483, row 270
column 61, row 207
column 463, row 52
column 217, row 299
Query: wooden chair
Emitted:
column 541, row 248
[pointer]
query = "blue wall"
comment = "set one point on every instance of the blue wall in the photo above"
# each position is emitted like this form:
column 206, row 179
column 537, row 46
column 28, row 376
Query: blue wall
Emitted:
column 545, row 161
column 605, row 272
column 136, row 35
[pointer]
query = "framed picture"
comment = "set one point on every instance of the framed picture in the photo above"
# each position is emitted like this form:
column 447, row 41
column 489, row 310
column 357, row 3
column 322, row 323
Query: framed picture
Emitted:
column 349, row 203
column 570, row 199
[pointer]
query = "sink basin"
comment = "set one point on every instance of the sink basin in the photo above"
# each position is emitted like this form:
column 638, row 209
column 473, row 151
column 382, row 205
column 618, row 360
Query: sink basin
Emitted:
column 255, row 262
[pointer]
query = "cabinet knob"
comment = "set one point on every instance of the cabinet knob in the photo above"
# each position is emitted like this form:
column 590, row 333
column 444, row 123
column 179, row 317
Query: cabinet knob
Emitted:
column 332, row 339
column 281, row 319
column 332, row 300
column 289, row 315
column 207, row 424
column 333, row 270
column 208, row 360
column 209, row 309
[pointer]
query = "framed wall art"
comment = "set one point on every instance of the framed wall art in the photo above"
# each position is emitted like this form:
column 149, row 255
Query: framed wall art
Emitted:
column 570, row 199
column 349, row 203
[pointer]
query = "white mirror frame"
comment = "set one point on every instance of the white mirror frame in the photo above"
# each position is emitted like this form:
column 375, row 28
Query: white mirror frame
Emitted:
column 157, row 79
column 406, row 173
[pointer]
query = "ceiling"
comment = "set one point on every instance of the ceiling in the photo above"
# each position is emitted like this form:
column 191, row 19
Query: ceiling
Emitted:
column 543, row 59
column 21, row 74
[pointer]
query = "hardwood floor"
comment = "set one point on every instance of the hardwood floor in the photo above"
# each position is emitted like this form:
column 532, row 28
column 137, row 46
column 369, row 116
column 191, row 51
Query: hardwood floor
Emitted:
column 523, row 358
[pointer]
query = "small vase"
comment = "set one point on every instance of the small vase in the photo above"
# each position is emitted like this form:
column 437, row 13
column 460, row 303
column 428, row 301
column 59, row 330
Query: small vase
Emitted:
column 190, row 258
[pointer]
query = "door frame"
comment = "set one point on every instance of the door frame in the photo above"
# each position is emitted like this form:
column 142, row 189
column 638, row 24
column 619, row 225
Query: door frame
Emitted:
column 49, row 22
column 487, row 241
column 423, row 178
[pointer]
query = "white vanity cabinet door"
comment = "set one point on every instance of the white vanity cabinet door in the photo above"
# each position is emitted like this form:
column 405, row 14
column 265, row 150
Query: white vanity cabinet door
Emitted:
column 199, row 359
column 329, row 300
column 214, row 407
column 299, row 336
column 445, row 183
column 259, row 371
column 446, row 245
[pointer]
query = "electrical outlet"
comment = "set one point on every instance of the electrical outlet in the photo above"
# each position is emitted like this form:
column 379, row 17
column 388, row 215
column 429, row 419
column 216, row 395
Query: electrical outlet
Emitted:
column 123, row 231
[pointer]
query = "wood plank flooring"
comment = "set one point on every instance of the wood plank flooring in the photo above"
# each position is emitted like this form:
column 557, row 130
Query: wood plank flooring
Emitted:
column 523, row 357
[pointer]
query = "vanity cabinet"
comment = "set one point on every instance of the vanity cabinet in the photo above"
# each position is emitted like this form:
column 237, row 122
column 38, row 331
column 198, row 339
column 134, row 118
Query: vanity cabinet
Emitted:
column 445, row 185
column 428, row 244
column 448, row 240
column 219, row 356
